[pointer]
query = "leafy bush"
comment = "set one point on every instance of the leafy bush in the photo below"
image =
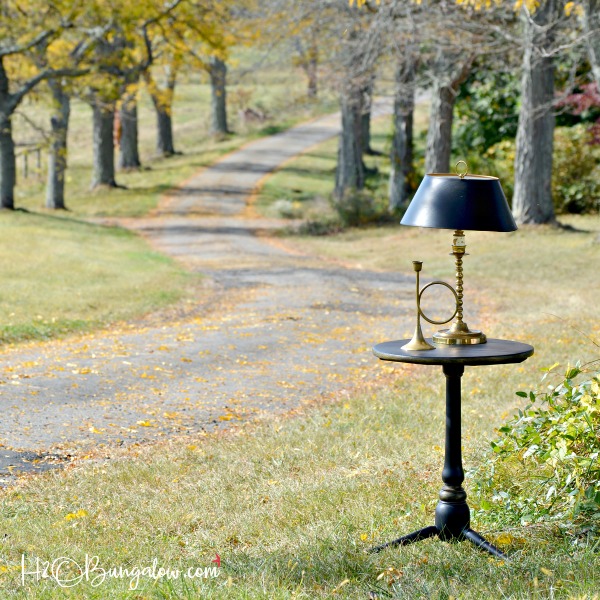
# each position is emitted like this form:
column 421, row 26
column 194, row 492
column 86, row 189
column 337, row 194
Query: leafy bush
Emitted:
column 545, row 464
column 486, row 110
column 356, row 207
column 575, row 173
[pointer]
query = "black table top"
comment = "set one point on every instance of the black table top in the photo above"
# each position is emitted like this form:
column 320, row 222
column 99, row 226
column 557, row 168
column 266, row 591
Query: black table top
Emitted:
column 493, row 352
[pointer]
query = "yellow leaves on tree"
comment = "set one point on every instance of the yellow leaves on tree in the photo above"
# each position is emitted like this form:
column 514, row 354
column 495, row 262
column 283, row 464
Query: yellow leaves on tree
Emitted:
column 360, row 3
column 574, row 8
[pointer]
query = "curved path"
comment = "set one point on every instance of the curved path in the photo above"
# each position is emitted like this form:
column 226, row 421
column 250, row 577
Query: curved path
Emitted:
column 275, row 329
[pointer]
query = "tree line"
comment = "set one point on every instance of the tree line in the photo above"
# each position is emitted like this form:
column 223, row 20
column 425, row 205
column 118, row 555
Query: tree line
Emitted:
column 550, row 48
column 101, row 52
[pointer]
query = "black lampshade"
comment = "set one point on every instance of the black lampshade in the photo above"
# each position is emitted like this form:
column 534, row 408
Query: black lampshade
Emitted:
column 472, row 202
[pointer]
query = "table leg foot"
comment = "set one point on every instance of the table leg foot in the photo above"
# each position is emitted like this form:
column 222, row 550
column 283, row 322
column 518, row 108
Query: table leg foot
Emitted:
column 482, row 543
column 411, row 538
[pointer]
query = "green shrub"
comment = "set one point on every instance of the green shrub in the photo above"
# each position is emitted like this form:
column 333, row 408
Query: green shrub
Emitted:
column 486, row 110
column 545, row 463
column 356, row 207
column 575, row 170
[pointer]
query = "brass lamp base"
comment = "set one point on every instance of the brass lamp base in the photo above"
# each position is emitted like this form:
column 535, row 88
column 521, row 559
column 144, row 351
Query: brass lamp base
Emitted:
column 459, row 334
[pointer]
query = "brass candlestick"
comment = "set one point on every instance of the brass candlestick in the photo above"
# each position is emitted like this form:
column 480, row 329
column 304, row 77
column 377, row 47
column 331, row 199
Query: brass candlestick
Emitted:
column 418, row 342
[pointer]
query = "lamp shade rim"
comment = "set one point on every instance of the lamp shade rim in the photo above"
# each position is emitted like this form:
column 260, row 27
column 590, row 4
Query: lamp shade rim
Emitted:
column 508, row 229
column 467, row 176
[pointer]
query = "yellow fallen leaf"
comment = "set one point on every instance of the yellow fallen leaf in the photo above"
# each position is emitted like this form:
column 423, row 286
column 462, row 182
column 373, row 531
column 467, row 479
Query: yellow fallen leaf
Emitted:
column 547, row 572
column 340, row 585
column 94, row 430
column 144, row 424
column 504, row 539
column 76, row 515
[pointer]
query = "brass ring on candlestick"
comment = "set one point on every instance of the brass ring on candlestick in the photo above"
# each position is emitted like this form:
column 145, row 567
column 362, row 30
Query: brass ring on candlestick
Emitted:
column 419, row 302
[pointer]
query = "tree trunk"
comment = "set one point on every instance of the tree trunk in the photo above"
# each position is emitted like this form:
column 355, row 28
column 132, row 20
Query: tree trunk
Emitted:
column 164, row 139
column 129, row 157
column 103, row 144
column 532, row 200
column 350, row 170
column 591, row 27
column 443, row 97
column 311, row 70
column 401, row 156
column 218, row 75
column 57, row 152
column 309, row 61
column 8, row 168
column 365, row 116
column 163, row 102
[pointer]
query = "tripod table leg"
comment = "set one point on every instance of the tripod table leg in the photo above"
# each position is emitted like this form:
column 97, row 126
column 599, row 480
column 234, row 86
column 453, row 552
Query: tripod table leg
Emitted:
column 411, row 538
column 482, row 543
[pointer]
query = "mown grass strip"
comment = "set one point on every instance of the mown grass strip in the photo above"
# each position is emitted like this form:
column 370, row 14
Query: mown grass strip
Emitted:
column 62, row 275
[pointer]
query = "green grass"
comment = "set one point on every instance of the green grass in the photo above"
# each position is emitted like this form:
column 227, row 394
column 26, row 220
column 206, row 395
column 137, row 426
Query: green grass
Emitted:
column 62, row 275
column 291, row 510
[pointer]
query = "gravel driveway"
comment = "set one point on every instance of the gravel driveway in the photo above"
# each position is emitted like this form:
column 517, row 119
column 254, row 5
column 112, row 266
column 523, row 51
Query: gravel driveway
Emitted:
column 274, row 329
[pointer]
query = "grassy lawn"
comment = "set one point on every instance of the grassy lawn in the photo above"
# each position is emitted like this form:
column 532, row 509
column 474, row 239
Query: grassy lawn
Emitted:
column 62, row 275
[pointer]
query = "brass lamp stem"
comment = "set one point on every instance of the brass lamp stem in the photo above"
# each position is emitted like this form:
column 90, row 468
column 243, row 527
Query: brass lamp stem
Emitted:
column 459, row 332
column 459, row 252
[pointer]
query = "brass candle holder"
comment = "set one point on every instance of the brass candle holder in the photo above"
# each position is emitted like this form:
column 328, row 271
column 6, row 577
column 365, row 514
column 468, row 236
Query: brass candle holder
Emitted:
column 418, row 342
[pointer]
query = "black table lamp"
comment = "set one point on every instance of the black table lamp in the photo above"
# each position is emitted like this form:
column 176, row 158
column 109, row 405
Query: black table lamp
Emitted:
column 459, row 202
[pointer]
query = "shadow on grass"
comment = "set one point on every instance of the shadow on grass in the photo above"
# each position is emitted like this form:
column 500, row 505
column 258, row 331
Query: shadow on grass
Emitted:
column 570, row 229
column 66, row 219
column 312, row 173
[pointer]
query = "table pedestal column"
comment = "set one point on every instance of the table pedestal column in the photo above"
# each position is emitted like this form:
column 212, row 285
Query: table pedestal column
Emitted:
column 452, row 515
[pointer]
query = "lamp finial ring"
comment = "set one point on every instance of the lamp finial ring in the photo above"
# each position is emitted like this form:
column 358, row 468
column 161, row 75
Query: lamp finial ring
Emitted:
column 462, row 172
